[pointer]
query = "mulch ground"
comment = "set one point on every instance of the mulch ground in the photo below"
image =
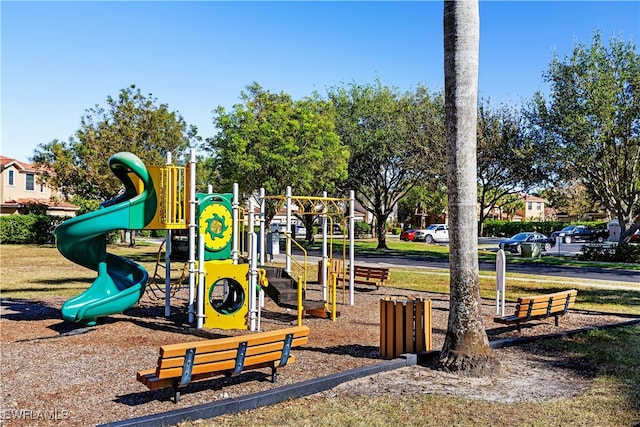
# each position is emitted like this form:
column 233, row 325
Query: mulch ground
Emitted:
column 52, row 370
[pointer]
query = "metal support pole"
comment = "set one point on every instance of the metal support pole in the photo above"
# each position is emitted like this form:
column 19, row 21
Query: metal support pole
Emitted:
column 352, row 222
column 323, row 264
column 253, row 268
column 262, row 220
column 201, row 284
column 167, row 264
column 500, row 281
column 235, row 225
column 288, row 232
column 192, row 234
column 167, row 274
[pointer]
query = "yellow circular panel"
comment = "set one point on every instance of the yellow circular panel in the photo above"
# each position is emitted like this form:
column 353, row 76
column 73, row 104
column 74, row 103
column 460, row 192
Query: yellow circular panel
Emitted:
column 215, row 224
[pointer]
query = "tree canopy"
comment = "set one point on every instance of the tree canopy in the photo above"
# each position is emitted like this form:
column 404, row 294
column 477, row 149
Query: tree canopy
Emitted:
column 271, row 141
column 131, row 122
column 395, row 141
column 592, row 117
column 508, row 162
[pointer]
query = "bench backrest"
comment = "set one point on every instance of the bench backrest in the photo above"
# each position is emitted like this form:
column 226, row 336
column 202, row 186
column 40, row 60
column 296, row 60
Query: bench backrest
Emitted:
column 540, row 305
column 378, row 273
column 220, row 354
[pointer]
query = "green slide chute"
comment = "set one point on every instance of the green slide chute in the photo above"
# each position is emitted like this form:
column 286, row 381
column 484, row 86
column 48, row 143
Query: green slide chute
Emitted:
column 83, row 240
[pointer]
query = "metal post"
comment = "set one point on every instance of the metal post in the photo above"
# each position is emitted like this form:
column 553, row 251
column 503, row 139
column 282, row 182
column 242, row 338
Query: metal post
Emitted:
column 323, row 264
column 192, row 234
column 201, row 283
column 262, row 220
column 235, row 225
column 167, row 274
column 167, row 264
column 352, row 222
column 253, row 268
column 288, row 232
column 500, row 281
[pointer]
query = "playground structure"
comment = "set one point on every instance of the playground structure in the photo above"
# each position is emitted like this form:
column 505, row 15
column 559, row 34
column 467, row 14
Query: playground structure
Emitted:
column 227, row 271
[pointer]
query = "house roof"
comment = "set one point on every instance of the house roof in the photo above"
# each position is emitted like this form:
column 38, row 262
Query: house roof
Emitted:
column 16, row 203
column 529, row 198
column 5, row 162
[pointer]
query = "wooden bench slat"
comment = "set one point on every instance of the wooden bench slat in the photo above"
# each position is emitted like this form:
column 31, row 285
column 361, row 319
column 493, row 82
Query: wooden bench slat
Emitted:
column 221, row 366
column 155, row 383
column 201, row 357
column 228, row 343
column 535, row 298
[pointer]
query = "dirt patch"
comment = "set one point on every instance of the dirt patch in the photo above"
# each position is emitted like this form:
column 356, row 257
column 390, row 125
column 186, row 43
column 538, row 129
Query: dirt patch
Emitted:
column 87, row 376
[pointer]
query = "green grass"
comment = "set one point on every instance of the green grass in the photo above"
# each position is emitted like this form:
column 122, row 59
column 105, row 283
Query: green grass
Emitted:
column 591, row 296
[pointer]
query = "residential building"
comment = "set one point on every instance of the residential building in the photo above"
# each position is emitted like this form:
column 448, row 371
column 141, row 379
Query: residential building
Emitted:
column 21, row 187
column 534, row 208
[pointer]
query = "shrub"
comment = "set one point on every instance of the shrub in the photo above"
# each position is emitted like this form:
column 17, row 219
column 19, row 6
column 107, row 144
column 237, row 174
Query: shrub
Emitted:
column 617, row 253
column 501, row 228
column 28, row 229
column 361, row 228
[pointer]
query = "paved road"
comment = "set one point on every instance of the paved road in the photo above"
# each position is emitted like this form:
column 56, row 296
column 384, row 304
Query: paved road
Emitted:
column 611, row 275
column 626, row 276
column 590, row 273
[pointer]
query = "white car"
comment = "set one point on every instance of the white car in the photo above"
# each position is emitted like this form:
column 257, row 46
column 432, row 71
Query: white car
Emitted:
column 282, row 228
column 433, row 233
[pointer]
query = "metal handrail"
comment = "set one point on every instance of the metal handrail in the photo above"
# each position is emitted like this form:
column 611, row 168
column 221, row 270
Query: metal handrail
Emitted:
column 303, row 265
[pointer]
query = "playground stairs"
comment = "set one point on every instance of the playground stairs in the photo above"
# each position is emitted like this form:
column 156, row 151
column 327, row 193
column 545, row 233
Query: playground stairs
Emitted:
column 283, row 290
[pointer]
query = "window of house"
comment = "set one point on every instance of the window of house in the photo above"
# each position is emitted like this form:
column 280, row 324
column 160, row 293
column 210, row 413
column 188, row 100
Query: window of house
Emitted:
column 529, row 205
column 11, row 178
column 539, row 206
column 42, row 187
column 31, row 182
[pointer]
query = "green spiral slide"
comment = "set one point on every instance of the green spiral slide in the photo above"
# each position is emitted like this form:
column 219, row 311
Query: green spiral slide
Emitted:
column 83, row 240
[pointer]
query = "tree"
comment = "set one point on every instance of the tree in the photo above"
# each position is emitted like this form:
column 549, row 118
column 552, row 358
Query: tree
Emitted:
column 592, row 119
column 508, row 162
column 272, row 141
column 132, row 122
column 427, row 198
column 466, row 346
column 395, row 140
column 571, row 198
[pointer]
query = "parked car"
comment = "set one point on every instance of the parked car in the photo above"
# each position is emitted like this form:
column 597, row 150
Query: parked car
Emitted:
column 282, row 228
column 408, row 235
column 580, row 233
column 514, row 244
column 433, row 233
column 635, row 237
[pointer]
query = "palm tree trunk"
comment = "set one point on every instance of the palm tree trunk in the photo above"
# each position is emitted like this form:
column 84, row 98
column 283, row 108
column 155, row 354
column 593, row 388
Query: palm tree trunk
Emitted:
column 466, row 347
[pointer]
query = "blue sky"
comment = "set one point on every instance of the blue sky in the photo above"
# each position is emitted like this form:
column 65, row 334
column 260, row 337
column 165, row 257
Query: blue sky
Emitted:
column 61, row 58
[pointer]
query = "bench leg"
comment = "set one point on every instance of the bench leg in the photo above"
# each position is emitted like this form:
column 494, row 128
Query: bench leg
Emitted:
column 274, row 374
column 556, row 320
column 518, row 326
column 176, row 395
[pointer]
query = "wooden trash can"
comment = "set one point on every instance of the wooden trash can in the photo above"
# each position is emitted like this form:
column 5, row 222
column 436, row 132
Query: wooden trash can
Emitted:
column 405, row 326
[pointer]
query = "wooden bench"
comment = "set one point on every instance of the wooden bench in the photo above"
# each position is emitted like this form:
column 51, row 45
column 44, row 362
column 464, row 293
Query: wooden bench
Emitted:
column 363, row 274
column 180, row 364
column 366, row 275
column 540, row 307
